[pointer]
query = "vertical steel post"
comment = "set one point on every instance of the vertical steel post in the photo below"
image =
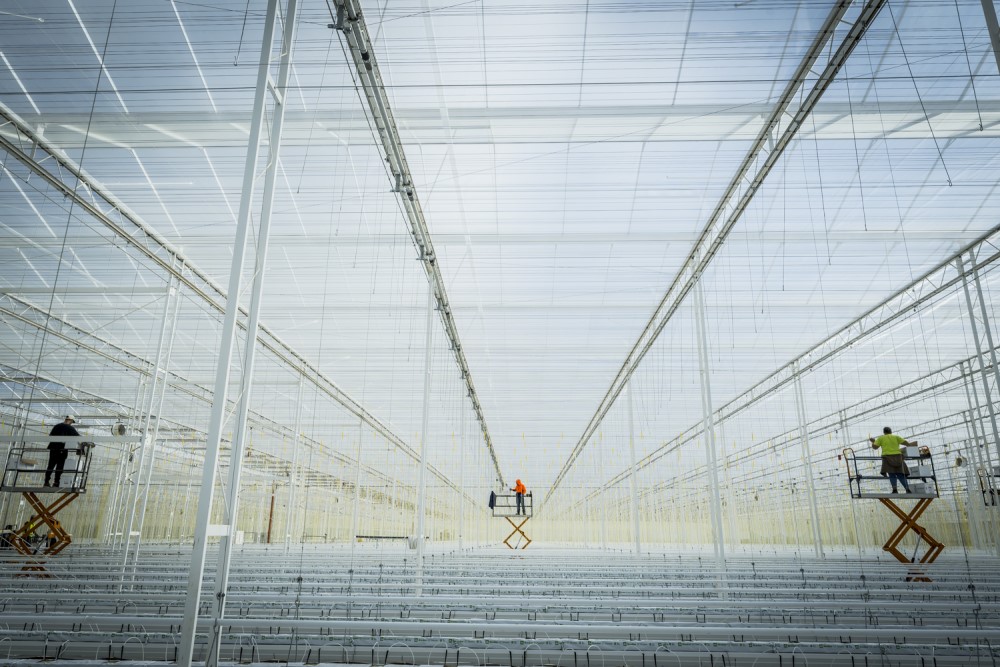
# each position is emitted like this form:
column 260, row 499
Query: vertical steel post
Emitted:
column 126, row 485
column 806, row 454
column 634, row 485
column 357, row 492
column 978, row 336
column 156, row 423
column 293, row 473
column 206, row 496
column 279, row 93
column 600, row 514
column 270, row 514
column 421, row 492
column 993, row 27
column 147, row 444
column 236, row 453
column 111, row 516
column 461, row 477
column 709, row 425
column 980, row 449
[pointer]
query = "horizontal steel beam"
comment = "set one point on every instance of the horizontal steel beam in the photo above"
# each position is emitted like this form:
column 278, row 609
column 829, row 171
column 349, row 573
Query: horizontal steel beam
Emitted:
column 351, row 24
column 652, row 123
column 803, row 91
column 23, row 143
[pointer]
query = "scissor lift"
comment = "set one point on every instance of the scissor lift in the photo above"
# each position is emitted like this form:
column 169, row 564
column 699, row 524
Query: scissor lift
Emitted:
column 866, row 482
column 505, row 506
column 24, row 473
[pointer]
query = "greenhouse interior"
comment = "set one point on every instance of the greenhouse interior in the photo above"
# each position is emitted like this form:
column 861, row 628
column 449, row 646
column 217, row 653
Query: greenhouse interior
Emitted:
column 589, row 333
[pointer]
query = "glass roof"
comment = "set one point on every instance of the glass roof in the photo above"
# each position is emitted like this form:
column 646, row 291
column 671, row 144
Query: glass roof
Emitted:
column 567, row 156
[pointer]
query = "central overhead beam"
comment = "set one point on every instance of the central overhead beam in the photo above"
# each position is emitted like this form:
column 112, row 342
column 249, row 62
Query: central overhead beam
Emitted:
column 351, row 23
column 775, row 135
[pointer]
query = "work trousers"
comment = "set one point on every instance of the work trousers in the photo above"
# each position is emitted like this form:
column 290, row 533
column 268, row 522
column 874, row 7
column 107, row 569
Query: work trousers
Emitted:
column 57, row 460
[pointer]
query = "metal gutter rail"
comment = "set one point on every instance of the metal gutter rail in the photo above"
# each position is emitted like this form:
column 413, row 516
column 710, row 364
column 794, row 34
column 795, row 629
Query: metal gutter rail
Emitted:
column 481, row 607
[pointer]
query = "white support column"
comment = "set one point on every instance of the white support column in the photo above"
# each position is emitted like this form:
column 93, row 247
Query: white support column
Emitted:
column 982, row 335
column 709, row 425
column 633, row 482
column 173, row 291
column 293, row 473
column 238, row 448
column 461, row 477
column 421, row 490
column 111, row 514
column 980, row 450
column 221, row 388
column 147, row 442
column 357, row 492
column 806, row 454
column 993, row 27
column 604, row 520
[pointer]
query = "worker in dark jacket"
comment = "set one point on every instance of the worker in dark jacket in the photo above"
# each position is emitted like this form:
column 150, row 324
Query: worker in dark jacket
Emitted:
column 57, row 450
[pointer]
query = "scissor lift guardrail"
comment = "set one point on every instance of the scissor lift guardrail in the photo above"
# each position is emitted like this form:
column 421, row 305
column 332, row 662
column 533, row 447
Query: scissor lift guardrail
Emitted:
column 864, row 482
column 505, row 506
column 24, row 473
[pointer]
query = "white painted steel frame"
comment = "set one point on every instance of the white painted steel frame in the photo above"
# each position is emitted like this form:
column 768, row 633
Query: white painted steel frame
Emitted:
column 807, row 459
column 933, row 283
column 172, row 293
column 633, row 482
column 220, row 392
column 424, row 440
column 764, row 155
column 708, row 429
column 232, row 495
column 55, row 166
column 982, row 334
column 349, row 20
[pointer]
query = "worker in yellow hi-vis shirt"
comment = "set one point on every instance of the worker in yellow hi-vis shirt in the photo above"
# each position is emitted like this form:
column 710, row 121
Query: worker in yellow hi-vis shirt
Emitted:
column 892, row 457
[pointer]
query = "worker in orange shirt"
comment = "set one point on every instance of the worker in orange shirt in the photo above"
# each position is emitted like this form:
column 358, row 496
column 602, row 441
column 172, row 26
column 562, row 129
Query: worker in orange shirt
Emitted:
column 520, row 491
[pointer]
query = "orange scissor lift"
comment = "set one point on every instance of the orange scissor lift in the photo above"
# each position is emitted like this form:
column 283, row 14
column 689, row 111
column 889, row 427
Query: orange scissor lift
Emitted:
column 865, row 482
column 24, row 473
column 505, row 506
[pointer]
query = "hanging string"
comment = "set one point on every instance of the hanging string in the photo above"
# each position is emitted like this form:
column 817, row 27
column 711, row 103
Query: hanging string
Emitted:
column 888, row 158
column 857, row 155
column 913, row 80
column 64, row 244
column 968, row 64
column 239, row 46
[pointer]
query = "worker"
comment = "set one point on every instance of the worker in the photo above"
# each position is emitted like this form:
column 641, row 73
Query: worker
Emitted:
column 57, row 450
column 520, row 491
column 893, row 464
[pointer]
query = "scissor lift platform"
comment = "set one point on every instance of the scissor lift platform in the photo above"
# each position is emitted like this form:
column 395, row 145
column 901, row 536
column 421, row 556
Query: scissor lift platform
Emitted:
column 24, row 473
column 505, row 506
column 863, row 475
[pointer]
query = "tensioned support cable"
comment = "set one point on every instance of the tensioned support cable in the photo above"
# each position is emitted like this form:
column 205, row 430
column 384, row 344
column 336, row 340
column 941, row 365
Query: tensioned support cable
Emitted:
column 776, row 133
column 350, row 22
